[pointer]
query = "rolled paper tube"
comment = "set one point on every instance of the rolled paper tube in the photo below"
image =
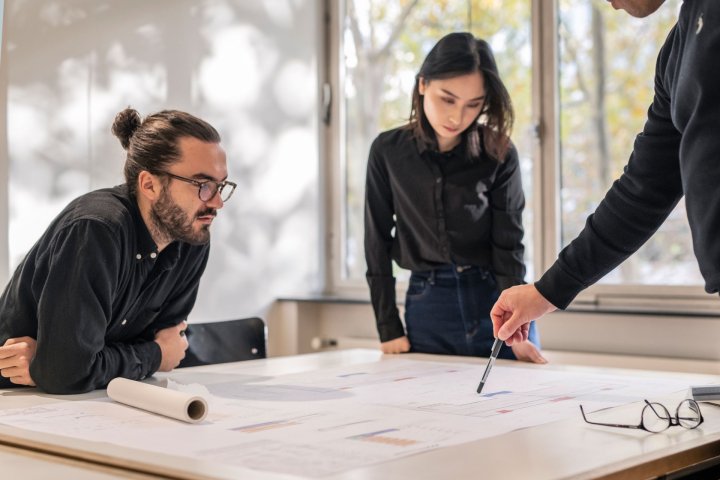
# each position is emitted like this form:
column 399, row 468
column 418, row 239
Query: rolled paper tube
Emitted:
column 171, row 403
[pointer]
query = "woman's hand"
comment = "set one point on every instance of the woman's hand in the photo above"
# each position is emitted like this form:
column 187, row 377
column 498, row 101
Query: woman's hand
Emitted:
column 527, row 352
column 396, row 345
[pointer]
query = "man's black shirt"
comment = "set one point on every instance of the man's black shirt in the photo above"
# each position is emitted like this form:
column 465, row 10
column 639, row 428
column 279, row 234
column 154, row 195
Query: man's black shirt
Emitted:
column 93, row 291
column 424, row 209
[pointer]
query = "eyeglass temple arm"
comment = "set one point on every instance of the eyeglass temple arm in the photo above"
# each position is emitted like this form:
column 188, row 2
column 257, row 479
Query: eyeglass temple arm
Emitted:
column 637, row 427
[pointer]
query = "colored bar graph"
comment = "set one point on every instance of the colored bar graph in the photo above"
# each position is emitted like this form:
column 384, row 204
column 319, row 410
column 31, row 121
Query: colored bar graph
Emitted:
column 381, row 437
column 261, row 427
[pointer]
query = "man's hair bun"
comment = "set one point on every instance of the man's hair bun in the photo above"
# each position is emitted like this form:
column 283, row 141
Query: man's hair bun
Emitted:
column 125, row 125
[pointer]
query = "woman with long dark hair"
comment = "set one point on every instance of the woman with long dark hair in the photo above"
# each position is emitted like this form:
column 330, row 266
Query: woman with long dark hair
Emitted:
column 444, row 199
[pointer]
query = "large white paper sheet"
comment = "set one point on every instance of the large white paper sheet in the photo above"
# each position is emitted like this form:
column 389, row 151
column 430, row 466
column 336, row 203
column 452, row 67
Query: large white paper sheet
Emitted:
column 336, row 419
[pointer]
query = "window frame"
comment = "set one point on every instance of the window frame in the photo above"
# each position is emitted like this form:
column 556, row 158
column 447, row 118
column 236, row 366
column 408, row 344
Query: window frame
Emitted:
column 4, row 160
column 626, row 298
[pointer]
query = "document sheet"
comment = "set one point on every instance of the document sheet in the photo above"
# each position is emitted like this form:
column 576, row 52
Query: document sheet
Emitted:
column 336, row 419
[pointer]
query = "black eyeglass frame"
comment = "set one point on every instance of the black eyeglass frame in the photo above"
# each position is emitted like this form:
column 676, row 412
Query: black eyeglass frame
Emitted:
column 219, row 186
column 671, row 421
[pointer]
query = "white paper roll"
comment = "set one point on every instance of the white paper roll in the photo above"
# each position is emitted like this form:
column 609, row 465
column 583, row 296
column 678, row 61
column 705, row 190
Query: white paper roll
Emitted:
column 171, row 403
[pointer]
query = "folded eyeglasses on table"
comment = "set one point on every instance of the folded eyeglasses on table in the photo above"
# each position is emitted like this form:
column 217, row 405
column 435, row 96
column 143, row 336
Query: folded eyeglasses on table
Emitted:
column 655, row 417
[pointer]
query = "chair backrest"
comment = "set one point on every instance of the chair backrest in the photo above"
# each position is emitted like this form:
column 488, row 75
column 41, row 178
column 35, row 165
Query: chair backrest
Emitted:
column 225, row 341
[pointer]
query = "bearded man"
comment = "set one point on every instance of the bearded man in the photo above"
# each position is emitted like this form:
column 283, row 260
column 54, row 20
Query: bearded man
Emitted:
column 106, row 290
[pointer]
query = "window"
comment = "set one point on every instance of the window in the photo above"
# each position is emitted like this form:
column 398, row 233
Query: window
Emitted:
column 607, row 65
column 382, row 45
column 578, row 68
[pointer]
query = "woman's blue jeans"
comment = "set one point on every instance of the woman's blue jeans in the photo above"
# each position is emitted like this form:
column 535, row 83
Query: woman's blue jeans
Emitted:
column 447, row 311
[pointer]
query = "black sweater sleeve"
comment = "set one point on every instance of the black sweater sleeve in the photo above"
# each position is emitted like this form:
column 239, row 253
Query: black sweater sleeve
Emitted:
column 379, row 223
column 508, row 202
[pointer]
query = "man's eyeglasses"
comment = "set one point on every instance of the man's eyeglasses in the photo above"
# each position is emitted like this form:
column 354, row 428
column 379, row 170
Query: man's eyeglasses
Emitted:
column 207, row 189
column 656, row 418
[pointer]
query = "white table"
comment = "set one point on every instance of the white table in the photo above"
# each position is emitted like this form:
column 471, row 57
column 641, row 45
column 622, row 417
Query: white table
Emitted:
column 562, row 449
column 19, row 463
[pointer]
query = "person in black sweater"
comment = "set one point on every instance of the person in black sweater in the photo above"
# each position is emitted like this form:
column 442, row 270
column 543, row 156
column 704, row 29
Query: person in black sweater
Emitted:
column 444, row 199
column 676, row 154
column 106, row 290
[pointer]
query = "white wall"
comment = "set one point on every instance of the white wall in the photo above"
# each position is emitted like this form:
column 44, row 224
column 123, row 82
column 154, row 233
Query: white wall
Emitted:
column 650, row 342
column 248, row 67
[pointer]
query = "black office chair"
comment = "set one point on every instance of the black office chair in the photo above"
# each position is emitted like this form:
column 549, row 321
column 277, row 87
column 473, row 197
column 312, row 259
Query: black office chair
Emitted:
column 225, row 341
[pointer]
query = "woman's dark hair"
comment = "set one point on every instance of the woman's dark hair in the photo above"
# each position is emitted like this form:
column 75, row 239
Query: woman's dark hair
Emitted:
column 152, row 143
column 460, row 54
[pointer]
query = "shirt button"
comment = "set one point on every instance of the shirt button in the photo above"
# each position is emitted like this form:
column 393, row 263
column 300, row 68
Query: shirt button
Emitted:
column 138, row 256
column 438, row 180
column 124, row 321
column 153, row 255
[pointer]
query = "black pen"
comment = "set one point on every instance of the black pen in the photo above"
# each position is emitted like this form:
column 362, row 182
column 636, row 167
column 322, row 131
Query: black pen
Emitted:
column 493, row 355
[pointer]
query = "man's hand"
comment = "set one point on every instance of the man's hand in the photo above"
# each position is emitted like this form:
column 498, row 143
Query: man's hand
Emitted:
column 173, row 343
column 15, row 358
column 396, row 345
column 528, row 352
column 515, row 309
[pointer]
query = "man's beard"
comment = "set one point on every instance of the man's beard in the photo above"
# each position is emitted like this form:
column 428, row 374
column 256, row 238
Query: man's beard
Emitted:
column 170, row 222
